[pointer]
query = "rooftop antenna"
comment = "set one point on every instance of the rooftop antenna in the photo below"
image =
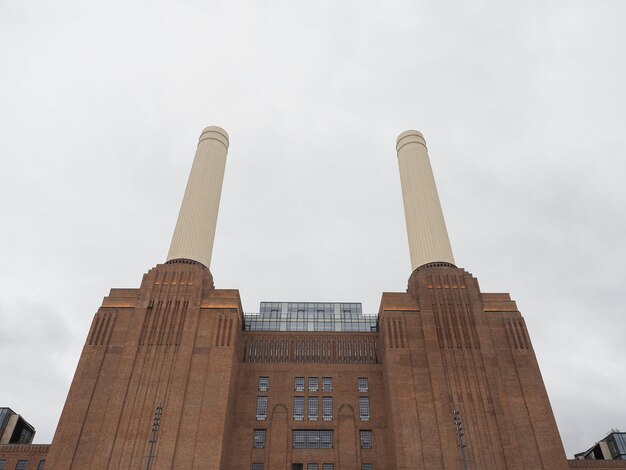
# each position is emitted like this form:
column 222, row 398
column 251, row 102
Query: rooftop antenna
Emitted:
column 458, row 426
column 156, row 424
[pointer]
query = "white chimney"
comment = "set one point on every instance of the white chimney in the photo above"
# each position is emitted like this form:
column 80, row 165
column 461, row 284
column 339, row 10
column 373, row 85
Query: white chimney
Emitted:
column 195, row 228
column 426, row 228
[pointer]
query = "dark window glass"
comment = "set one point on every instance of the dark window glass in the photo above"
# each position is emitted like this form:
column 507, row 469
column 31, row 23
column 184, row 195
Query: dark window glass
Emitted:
column 261, row 408
column 259, row 438
column 21, row 465
column 312, row 466
column 327, row 384
column 314, row 406
column 328, row 466
column 296, row 466
column 312, row 438
column 362, row 384
column 366, row 439
column 298, row 408
column 313, row 384
column 42, row 464
column 264, row 384
column 364, row 408
column 367, row 466
column 257, row 466
column 2, row 462
column 327, row 408
column 298, row 384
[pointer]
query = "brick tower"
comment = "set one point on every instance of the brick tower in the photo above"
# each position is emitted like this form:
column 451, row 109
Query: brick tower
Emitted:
column 315, row 386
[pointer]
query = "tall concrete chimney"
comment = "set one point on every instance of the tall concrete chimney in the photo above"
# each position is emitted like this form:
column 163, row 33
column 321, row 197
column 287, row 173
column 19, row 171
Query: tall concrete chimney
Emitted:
column 195, row 228
column 426, row 228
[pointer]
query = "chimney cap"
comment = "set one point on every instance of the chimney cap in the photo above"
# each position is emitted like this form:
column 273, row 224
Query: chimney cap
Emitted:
column 408, row 137
column 215, row 133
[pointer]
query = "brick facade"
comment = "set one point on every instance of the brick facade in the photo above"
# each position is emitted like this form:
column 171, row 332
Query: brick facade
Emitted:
column 177, row 341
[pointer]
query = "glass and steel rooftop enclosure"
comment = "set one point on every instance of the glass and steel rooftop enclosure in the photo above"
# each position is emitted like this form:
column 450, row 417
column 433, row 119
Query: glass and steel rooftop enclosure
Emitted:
column 310, row 316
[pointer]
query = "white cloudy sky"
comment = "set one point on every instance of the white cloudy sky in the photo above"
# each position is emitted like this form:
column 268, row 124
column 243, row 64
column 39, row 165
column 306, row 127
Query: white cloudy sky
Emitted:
column 523, row 105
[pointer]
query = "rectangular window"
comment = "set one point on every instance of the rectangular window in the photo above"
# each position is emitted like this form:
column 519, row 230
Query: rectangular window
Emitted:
column 298, row 384
column 297, row 466
column 362, row 384
column 328, row 466
column 298, row 408
column 312, row 466
column 366, row 439
column 261, row 408
column 21, row 465
column 313, row 384
column 364, row 408
column 2, row 462
column 257, row 466
column 42, row 464
column 327, row 384
column 264, row 384
column 367, row 466
column 314, row 406
column 327, row 408
column 259, row 438
column 312, row 438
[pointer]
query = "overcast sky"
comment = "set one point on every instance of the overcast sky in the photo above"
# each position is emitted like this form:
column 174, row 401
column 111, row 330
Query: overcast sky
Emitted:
column 522, row 104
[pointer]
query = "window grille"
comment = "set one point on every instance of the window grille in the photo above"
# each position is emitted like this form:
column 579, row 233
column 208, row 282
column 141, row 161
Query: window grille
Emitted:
column 364, row 408
column 298, row 384
column 261, row 408
column 42, row 464
column 327, row 384
column 313, row 384
column 312, row 466
column 312, row 438
column 298, row 408
column 314, row 406
column 366, row 439
column 328, row 466
column 21, row 465
column 2, row 462
column 259, row 438
column 257, row 466
column 363, row 385
column 264, row 384
column 327, row 408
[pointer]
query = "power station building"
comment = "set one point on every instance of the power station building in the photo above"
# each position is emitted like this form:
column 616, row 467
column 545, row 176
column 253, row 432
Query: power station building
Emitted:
column 175, row 375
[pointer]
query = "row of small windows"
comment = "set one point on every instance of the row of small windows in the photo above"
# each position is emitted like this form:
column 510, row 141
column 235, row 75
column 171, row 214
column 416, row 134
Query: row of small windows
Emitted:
column 313, row 415
column 22, row 465
column 313, row 409
column 313, row 383
column 313, row 466
column 312, row 439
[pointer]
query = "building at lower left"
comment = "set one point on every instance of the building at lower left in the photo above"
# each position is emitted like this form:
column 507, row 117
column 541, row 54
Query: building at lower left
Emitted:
column 16, row 448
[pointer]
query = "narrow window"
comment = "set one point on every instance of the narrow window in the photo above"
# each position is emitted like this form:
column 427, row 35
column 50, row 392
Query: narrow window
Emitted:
column 364, row 408
column 366, row 439
column 259, row 438
column 328, row 466
column 327, row 408
column 298, row 384
column 257, row 466
column 362, row 384
column 42, row 464
column 327, row 384
column 264, row 384
column 21, row 465
column 367, row 466
column 2, row 462
column 298, row 408
column 313, row 384
column 314, row 407
column 261, row 408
